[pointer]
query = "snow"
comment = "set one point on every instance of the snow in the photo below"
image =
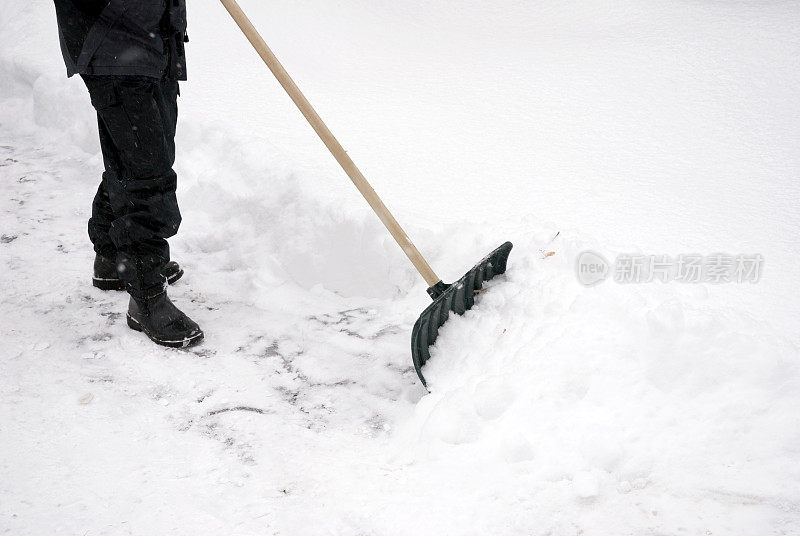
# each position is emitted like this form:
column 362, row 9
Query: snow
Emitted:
column 555, row 408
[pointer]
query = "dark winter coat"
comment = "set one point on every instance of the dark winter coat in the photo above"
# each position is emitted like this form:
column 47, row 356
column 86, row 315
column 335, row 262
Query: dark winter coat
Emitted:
column 123, row 37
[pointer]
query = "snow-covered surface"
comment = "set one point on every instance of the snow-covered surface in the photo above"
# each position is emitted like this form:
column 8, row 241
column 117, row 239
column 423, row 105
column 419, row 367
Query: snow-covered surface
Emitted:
column 659, row 127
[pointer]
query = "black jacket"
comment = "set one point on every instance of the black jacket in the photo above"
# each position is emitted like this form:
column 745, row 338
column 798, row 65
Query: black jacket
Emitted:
column 123, row 37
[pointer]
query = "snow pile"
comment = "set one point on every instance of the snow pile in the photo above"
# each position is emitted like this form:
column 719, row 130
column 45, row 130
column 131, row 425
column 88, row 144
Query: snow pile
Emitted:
column 611, row 398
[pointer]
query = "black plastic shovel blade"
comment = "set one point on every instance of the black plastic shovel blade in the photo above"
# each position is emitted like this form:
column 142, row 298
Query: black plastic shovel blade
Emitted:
column 457, row 297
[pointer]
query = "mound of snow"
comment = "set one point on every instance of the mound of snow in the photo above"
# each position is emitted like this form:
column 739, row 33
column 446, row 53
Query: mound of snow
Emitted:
column 614, row 393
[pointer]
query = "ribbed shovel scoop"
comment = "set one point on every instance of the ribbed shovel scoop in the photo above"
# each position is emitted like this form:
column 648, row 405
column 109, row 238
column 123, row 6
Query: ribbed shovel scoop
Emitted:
column 457, row 297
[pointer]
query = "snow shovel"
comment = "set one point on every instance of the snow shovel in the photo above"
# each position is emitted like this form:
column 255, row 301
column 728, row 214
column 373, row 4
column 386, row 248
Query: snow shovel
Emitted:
column 457, row 297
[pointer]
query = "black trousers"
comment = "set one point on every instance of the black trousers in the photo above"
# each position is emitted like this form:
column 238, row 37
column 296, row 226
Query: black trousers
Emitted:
column 135, row 209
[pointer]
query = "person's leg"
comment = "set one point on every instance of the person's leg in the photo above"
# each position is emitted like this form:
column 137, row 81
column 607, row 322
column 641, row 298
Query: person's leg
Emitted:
column 102, row 213
column 106, row 276
column 141, row 191
column 140, row 184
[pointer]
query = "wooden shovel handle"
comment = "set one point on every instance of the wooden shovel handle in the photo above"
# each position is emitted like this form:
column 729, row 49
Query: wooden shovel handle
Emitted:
column 330, row 142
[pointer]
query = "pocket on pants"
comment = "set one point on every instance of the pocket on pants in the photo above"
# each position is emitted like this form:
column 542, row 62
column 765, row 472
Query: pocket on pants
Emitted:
column 101, row 92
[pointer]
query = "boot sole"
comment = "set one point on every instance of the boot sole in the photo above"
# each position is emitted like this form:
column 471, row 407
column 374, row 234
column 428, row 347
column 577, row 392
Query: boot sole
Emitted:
column 117, row 284
column 182, row 343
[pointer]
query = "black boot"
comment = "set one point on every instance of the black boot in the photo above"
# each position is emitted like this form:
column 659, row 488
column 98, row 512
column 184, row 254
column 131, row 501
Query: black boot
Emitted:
column 107, row 278
column 164, row 323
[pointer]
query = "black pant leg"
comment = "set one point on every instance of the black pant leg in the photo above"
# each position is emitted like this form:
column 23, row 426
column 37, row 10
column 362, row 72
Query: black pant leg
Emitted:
column 102, row 213
column 140, row 181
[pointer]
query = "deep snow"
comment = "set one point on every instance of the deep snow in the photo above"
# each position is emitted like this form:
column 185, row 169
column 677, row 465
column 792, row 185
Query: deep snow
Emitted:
column 655, row 127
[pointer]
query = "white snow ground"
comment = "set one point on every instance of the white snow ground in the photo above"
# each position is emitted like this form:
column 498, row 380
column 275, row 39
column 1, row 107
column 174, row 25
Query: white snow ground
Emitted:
column 654, row 127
